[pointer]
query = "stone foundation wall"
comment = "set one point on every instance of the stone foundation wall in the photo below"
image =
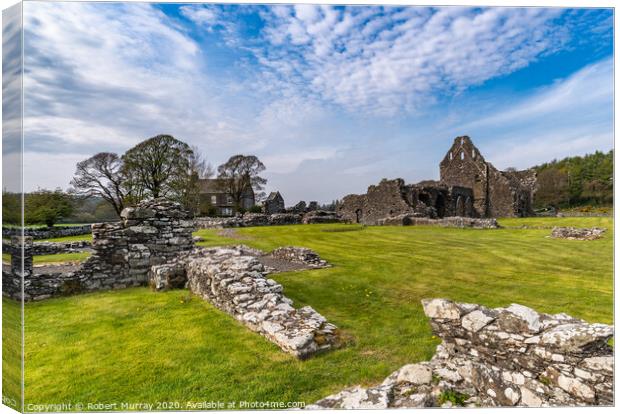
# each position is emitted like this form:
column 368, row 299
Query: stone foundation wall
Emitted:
column 47, row 232
column 573, row 233
column 301, row 255
column 259, row 219
column 233, row 279
column 510, row 356
column 459, row 222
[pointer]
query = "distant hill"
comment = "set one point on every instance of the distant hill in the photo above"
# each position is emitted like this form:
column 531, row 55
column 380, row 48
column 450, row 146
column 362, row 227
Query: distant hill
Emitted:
column 576, row 181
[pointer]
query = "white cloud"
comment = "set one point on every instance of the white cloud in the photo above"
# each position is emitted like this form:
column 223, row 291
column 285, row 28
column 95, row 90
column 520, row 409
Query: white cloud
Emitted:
column 591, row 87
column 389, row 61
column 302, row 94
column 571, row 116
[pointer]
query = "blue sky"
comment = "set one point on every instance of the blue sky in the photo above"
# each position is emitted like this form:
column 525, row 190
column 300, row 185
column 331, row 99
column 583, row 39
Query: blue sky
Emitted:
column 332, row 99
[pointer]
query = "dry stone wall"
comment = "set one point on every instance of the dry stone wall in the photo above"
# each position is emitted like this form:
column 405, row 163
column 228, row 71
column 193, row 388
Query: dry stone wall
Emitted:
column 234, row 280
column 42, row 248
column 46, row 232
column 510, row 356
column 154, row 232
column 259, row 219
column 151, row 233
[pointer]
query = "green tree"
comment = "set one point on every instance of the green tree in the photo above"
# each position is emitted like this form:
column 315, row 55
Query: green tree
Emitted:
column 576, row 181
column 157, row 167
column 11, row 208
column 240, row 175
column 48, row 207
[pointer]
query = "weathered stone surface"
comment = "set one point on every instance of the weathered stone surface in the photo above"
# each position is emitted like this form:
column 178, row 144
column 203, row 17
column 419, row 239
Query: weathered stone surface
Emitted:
column 46, row 232
column 441, row 309
column 469, row 187
column 301, row 255
column 355, row 398
column 458, row 222
column 574, row 233
column 235, row 283
column 321, row 217
column 167, row 276
column 495, row 193
column 151, row 233
column 540, row 360
column 476, row 320
column 248, row 220
column 391, row 202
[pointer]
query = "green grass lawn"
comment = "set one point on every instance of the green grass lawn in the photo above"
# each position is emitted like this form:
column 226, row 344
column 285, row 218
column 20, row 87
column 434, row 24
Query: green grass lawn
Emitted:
column 135, row 345
column 52, row 258
column 11, row 353
column 78, row 237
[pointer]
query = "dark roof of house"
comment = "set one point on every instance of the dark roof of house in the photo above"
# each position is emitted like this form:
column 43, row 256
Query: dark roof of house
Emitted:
column 216, row 186
column 273, row 195
column 212, row 185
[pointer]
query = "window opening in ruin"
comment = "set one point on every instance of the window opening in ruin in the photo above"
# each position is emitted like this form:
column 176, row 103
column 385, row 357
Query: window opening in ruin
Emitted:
column 358, row 215
column 473, row 153
column 450, row 156
column 425, row 199
column 440, row 205
column 462, row 155
column 460, row 207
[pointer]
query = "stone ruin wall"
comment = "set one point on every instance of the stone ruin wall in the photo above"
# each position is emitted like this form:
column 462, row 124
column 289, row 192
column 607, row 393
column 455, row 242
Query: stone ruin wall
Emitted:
column 510, row 356
column 151, row 233
column 234, row 281
column 46, row 232
column 496, row 193
column 392, row 198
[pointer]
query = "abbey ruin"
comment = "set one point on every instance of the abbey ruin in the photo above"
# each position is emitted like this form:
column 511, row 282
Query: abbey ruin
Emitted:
column 469, row 186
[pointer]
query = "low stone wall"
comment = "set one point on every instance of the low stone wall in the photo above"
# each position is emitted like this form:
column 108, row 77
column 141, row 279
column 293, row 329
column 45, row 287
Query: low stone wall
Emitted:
column 259, row 219
column 459, row 222
column 42, row 248
column 47, row 232
column 284, row 219
column 510, row 356
column 236, row 285
column 301, row 255
column 154, row 232
column 321, row 217
column 574, row 233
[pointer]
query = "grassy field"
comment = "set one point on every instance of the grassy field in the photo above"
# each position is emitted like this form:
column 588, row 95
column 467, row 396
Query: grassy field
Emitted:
column 11, row 353
column 78, row 237
column 52, row 258
column 134, row 345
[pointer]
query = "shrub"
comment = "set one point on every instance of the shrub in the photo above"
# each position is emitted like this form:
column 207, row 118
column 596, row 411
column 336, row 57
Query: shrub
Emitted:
column 456, row 398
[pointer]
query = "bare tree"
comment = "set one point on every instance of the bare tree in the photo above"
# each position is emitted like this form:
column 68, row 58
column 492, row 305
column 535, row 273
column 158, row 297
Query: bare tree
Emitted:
column 100, row 176
column 240, row 174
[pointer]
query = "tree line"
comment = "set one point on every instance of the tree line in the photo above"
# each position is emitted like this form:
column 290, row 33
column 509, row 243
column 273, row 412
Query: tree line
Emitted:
column 161, row 166
column 576, row 181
